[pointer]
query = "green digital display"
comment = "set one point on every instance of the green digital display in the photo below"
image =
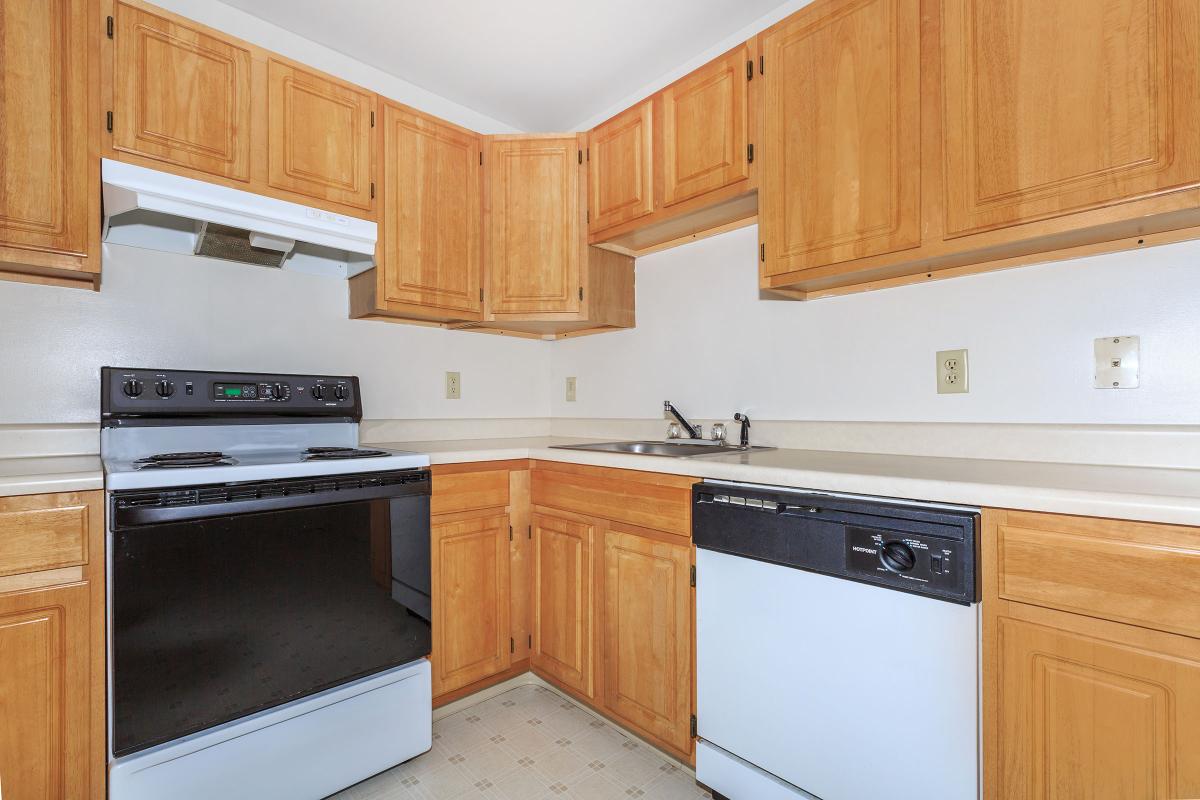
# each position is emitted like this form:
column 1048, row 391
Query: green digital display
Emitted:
column 233, row 391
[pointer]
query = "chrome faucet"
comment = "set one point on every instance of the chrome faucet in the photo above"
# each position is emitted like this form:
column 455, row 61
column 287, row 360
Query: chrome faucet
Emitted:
column 745, row 420
column 693, row 431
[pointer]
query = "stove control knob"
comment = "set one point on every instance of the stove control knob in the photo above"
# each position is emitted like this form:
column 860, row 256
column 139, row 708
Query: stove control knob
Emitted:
column 340, row 392
column 318, row 392
column 278, row 391
column 132, row 387
column 897, row 556
column 164, row 388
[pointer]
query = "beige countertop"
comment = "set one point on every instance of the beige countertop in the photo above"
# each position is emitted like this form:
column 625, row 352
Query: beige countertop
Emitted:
column 46, row 474
column 1142, row 493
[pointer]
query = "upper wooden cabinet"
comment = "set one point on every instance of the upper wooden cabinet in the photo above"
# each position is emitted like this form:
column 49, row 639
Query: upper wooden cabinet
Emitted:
column 840, row 134
column 319, row 136
column 562, row 600
column 703, row 128
column 620, row 156
column 180, row 95
column 1060, row 106
column 49, row 188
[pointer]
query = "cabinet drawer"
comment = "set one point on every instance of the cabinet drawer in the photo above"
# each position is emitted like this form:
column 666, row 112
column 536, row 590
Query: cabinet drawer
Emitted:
column 1140, row 573
column 40, row 532
column 661, row 502
column 467, row 491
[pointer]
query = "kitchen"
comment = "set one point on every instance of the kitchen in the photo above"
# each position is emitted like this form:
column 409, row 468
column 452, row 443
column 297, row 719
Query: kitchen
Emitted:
column 937, row 255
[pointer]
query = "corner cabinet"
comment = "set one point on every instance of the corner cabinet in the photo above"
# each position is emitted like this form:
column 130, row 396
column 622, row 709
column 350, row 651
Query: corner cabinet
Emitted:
column 49, row 167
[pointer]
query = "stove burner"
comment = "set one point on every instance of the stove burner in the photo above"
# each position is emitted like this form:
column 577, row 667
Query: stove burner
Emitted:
column 336, row 453
column 203, row 458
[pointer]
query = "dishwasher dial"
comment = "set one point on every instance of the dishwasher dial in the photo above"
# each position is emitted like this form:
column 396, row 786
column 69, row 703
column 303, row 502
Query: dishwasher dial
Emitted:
column 897, row 556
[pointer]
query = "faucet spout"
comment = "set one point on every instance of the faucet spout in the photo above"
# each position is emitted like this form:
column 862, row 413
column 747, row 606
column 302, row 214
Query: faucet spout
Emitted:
column 693, row 431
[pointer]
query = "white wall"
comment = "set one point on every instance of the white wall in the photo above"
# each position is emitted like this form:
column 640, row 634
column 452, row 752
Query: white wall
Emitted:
column 238, row 23
column 705, row 341
column 164, row 310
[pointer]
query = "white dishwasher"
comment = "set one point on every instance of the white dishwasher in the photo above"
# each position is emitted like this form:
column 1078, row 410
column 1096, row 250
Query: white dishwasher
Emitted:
column 837, row 646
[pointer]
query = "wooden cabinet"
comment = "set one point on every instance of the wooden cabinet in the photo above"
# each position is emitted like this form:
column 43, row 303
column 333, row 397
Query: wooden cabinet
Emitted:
column 319, row 139
column 470, row 562
column 1060, row 106
column 181, row 95
column 1078, row 703
column 542, row 278
column 52, row 694
column 49, row 176
column 620, row 158
column 563, row 611
column 429, row 262
column 703, row 128
column 840, row 134
column 647, row 634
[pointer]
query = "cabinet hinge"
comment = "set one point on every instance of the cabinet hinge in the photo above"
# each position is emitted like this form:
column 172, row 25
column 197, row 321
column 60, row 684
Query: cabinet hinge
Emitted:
column 580, row 156
column 108, row 122
column 588, row 216
column 762, row 252
column 481, row 158
column 531, row 641
column 512, row 645
column 580, row 292
column 761, row 63
column 372, row 119
column 750, row 154
column 692, row 726
column 588, row 154
column 481, row 294
column 693, row 574
column 108, row 27
column 372, row 190
column 528, row 531
column 510, row 533
column 749, row 70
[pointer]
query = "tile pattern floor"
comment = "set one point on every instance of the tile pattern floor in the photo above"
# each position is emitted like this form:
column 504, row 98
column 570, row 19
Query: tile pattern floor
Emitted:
column 530, row 744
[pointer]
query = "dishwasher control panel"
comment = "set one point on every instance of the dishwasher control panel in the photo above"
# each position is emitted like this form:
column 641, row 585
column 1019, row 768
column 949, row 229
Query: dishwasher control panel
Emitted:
column 900, row 557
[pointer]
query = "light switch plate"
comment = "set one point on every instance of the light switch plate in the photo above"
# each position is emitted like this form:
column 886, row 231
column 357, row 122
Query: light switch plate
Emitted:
column 1117, row 362
column 453, row 386
column 952, row 372
column 571, row 389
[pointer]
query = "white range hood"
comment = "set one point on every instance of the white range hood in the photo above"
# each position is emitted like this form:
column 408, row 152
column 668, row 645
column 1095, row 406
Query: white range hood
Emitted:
column 160, row 211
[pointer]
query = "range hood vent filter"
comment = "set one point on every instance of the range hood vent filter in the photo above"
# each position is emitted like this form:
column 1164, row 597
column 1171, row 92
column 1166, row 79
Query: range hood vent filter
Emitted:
column 236, row 244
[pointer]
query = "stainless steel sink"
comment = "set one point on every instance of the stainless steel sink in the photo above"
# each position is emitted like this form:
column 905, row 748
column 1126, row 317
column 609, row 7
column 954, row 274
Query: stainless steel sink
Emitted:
column 683, row 448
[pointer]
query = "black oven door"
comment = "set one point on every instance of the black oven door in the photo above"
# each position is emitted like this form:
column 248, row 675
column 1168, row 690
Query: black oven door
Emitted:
column 231, row 599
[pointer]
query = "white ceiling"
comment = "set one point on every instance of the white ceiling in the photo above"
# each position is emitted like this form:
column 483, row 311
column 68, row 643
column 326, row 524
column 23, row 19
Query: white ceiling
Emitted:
column 538, row 65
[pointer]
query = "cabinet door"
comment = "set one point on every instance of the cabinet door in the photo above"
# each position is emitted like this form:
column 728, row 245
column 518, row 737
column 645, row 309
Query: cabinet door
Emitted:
column 648, row 635
column 45, row 749
column 1054, row 106
column 431, row 214
column 840, row 173
column 318, row 136
column 562, row 600
column 535, row 232
column 1082, row 717
column 180, row 95
column 704, row 124
column 621, row 168
column 43, row 104
column 470, row 601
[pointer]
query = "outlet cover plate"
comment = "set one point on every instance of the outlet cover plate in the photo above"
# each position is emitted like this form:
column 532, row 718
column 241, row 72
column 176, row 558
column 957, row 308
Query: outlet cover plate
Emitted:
column 453, row 386
column 1117, row 362
column 952, row 372
column 571, row 390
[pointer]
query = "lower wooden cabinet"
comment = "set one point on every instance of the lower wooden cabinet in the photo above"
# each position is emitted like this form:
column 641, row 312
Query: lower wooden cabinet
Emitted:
column 647, row 622
column 52, row 698
column 563, row 609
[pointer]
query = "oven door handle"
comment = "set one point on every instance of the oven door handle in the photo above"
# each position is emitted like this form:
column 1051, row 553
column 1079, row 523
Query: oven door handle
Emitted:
column 141, row 516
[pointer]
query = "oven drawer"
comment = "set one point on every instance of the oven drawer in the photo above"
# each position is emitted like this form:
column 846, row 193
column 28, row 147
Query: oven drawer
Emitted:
column 1140, row 573
column 43, row 532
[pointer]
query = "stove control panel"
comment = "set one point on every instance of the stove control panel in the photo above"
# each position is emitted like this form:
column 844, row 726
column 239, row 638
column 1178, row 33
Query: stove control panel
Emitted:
column 141, row 393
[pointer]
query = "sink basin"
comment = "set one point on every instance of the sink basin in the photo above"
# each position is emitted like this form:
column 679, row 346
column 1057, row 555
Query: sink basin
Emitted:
column 682, row 448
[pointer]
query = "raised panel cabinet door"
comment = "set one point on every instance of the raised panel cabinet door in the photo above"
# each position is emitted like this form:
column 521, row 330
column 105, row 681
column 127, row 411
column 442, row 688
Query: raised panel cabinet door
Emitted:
column 1080, row 717
column 704, row 129
column 621, row 168
column 43, row 137
column 318, row 136
column 535, row 235
column 1055, row 106
column 431, row 215
column 562, row 600
column 180, row 95
column 45, row 748
column 648, row 635
column 470, row 588
column 841, row 170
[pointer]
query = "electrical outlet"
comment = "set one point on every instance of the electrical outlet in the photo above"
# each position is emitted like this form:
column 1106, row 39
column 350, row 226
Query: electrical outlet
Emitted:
column 571, row 390
column 952, row 372
column 453, row 386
